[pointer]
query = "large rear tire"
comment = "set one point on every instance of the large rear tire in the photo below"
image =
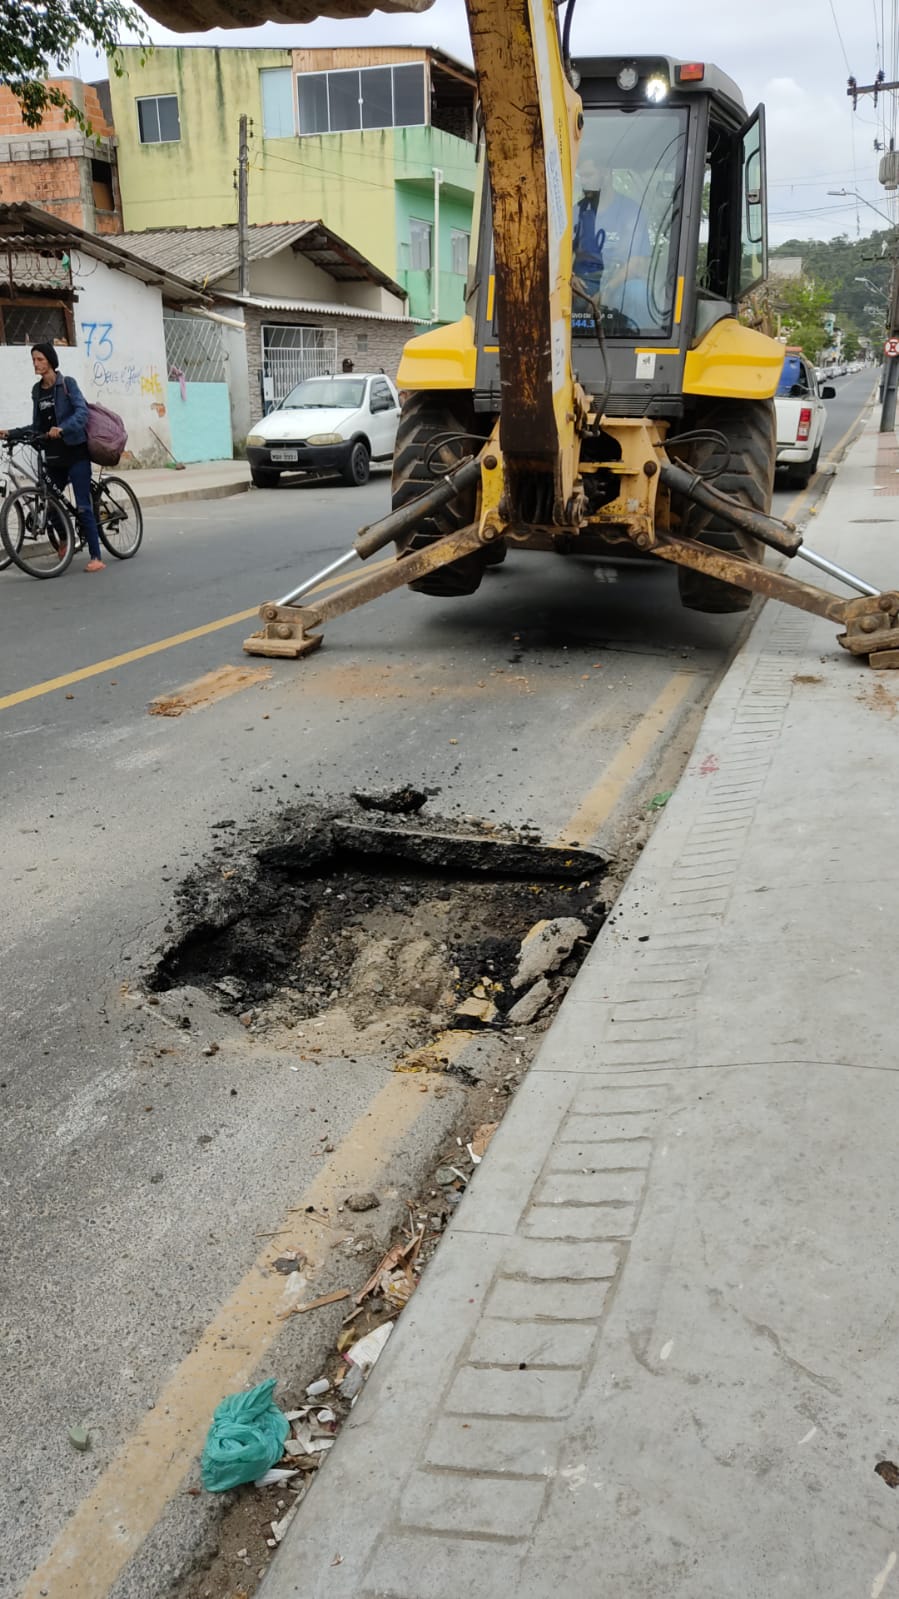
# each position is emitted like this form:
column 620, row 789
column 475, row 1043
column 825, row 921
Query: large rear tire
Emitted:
column 424, row 418
column 748, row 475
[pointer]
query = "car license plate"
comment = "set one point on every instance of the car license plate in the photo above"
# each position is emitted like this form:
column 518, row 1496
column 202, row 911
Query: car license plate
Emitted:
column 285, row 455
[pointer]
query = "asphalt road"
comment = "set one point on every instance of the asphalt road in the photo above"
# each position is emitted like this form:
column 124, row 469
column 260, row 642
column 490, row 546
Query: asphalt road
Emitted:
column 138, row 1179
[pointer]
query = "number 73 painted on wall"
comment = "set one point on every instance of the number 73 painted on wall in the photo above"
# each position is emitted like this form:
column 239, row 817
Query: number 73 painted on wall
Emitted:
column 97, row 340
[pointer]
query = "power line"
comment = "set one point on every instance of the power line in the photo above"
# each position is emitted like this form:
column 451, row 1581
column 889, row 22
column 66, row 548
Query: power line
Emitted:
column 840, row 37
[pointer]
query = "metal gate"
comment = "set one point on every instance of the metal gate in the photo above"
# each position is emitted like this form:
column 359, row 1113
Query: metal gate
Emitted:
column 290, row 354
column 193, row 348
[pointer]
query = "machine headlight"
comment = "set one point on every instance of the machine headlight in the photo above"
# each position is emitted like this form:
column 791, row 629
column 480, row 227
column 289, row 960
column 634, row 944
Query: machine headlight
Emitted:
column 627, row 79
column 256, row 438
column 656, row 88
column 326, row 438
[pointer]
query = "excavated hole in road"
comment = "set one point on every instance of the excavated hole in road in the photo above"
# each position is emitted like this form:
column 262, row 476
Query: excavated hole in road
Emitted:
column 369, row 912
column 377, row 921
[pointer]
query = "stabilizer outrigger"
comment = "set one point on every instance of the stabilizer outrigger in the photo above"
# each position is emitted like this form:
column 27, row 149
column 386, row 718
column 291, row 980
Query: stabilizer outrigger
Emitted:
column 871, row 621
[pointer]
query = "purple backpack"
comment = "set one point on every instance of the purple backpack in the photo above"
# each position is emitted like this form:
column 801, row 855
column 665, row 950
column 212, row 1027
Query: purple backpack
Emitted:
column 106, row 435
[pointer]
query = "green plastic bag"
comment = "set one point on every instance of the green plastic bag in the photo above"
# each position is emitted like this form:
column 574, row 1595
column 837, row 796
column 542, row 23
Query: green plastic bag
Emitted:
column 246, row 1437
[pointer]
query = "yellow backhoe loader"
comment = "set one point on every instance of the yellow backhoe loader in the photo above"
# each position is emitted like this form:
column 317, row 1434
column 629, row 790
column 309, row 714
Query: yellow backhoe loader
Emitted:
column 600, row 393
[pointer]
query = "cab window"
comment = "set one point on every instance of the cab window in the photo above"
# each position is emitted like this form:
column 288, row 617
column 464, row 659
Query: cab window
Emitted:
column 628, row 189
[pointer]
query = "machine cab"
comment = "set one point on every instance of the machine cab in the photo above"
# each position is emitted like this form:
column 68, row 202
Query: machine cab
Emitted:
column 668, row 229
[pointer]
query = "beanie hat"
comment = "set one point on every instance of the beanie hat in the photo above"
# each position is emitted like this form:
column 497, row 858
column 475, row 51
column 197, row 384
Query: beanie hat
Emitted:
column 49, row 354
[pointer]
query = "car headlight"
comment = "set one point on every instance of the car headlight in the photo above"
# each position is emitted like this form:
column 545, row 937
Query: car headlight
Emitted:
column 326, row 438
column 256, row 438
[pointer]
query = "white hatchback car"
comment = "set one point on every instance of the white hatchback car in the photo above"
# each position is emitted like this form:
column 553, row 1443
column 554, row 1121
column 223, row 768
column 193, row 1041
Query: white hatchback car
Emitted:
column 327, row 424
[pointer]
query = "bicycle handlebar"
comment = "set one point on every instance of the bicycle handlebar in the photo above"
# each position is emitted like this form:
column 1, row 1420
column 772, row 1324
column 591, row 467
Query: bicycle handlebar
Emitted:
column 15, row 436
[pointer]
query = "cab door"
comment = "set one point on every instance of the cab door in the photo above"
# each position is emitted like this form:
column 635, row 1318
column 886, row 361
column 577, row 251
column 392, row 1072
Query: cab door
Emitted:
column 383, row 418
column 752, row 262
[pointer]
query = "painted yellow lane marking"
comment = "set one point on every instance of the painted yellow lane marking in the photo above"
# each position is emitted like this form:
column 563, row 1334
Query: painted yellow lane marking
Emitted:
column 598, row 805
column 37, row 690
column 109, row 1526
column 435, row 1056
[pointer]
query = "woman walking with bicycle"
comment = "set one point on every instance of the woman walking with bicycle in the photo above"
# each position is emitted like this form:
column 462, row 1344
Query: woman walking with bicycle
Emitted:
column 60, row 413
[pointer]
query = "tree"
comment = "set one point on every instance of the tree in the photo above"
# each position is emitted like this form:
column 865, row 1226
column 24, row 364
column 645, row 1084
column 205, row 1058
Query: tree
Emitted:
column 802, row 304
column 35, row 37
column 851, row 347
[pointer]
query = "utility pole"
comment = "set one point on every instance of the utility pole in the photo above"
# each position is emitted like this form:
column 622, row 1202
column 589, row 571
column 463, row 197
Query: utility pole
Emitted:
column 891, row 362
column 243, row 237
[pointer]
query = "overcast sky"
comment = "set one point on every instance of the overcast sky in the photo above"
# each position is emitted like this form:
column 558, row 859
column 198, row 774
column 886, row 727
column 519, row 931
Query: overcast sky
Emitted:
column 795, row 55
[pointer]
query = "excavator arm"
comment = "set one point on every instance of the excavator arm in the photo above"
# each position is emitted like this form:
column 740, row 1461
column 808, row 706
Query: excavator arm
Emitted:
column 532, row 122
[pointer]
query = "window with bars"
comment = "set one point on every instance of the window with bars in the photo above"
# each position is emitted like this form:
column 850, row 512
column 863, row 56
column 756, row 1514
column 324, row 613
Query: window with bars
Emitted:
column 158, row 121
column 365, row 97
column 35, row 322
column 291, row 353
column 193, row 348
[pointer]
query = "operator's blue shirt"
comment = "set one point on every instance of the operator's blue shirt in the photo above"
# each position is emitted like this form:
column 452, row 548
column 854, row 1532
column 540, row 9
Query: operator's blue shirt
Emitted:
column 608, row 234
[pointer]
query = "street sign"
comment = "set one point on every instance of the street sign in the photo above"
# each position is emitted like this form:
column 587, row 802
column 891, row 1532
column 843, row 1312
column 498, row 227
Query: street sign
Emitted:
column 891, row 347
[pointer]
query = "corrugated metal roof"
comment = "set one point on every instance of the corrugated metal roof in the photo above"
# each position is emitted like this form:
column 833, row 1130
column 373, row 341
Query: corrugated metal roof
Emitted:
column 26, row 226
column 206, row 255
column 316, row 307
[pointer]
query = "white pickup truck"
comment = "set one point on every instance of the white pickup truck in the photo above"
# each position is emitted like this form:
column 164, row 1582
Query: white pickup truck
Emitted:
column 801, row 414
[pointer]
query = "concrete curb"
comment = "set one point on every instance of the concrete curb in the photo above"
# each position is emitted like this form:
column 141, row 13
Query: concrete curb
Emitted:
column 216, row 491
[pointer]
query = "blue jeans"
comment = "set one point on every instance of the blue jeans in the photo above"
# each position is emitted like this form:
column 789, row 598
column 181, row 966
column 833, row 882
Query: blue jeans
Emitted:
column 78, row 473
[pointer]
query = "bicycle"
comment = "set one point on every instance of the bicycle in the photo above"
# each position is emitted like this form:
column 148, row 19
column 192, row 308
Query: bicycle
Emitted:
column 39, row 528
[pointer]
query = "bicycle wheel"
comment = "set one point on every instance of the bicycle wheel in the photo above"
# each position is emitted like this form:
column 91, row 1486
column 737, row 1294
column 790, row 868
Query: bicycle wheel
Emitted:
column 37, row 532
column 119, row 517
column 17, row 532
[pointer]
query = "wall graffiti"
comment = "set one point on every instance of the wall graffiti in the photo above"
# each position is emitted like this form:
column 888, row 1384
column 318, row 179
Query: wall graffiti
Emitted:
column 128, row 379
column 99, row 345
column 98, row 341
column 151, row 383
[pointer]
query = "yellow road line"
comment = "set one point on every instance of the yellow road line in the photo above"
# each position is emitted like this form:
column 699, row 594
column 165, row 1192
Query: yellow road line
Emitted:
column 598, row 805
column 52, row 684
column 109, row 1526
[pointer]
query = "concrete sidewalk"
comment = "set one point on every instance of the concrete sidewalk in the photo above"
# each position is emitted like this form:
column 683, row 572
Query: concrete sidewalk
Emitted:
column 656, row 1354
column 206, row 480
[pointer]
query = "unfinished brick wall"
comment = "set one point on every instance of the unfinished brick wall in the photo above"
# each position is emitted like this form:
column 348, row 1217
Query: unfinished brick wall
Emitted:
column 49, row 184
column 54, row 121
column 51, row 166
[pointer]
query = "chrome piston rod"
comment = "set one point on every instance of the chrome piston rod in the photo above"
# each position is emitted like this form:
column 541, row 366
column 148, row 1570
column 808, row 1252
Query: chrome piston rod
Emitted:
column 373, row 538
column 839, row 572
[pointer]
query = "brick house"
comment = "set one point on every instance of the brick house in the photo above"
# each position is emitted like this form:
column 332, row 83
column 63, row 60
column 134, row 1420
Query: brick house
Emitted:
column 69, row 173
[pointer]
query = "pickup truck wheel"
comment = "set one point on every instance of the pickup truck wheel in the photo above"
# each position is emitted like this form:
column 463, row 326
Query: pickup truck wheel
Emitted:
column 748, row 474
column 358, row 465
column 264, row 477
column 423, row 419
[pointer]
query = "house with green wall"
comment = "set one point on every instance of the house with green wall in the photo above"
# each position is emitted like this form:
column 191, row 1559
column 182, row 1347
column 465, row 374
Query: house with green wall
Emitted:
column 379, row 143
